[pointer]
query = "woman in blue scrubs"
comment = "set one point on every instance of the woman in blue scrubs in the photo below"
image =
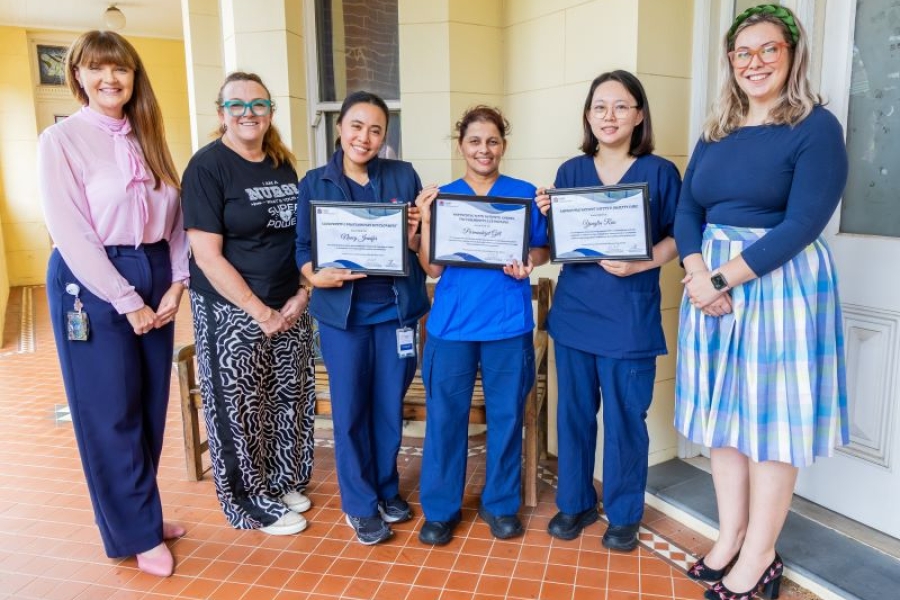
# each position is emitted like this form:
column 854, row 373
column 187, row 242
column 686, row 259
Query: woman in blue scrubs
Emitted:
column 481, row 318
column 606, row 324
column 360, row 320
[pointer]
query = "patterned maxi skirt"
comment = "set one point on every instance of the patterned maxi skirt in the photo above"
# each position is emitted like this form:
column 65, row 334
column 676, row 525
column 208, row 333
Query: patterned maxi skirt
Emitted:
column 258, row 400
column 767, row 379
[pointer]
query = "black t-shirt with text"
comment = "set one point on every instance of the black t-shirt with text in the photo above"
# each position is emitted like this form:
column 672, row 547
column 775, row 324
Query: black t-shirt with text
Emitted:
column 252, row 205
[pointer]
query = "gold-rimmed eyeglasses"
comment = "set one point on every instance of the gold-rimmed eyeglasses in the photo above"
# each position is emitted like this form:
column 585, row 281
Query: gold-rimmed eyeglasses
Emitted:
column 619, row 111
column 767, row 53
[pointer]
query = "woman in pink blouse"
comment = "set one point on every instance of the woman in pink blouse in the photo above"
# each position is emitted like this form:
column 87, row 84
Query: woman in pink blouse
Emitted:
column 110, row 194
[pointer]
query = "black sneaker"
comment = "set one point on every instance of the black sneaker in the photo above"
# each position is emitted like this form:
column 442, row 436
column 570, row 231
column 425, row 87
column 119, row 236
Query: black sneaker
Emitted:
column 395, row 510
column 568, row 527
column 438, row 533
column 623, row 538
column 369, row 530
column 502, row 527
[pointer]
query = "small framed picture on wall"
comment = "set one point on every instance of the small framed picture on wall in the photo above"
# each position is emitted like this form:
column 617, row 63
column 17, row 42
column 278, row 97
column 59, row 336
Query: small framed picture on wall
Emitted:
column 51, row 64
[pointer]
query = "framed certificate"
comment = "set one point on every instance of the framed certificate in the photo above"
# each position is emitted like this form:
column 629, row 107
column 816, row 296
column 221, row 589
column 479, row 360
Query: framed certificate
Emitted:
column 609, row 222
column 479, row 231
column 365, row 237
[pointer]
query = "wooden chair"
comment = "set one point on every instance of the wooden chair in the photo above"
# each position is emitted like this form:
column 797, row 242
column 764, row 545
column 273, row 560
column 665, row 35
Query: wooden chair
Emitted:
column 535, row 420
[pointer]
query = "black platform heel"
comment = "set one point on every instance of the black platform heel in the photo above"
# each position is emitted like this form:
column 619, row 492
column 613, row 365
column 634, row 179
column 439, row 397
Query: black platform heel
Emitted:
column 769, row 584
column 700, row 571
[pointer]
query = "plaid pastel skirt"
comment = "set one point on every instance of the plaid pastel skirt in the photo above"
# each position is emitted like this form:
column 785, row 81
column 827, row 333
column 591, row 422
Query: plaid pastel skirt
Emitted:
column 769, row 378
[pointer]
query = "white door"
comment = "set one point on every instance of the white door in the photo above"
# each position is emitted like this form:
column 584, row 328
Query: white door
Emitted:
column 860, row 78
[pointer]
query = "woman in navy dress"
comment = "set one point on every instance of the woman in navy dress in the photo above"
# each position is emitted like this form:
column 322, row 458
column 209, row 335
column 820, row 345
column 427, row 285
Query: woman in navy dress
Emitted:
column 481, row 319
column 760, row 372
column 606, row 323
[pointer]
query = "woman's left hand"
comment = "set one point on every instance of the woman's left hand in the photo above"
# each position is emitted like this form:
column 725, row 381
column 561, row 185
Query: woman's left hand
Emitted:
column 700, row 290
column 623, row 268
column 517, row 270
column 168, row 306
column 413, row 218
column 294, row 307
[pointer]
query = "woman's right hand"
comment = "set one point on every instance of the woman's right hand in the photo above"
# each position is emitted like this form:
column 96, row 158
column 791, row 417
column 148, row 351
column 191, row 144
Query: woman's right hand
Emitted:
column 141, row 320
column 423, row 203
column 330, row 277
column 273, row 322
column 543, row 201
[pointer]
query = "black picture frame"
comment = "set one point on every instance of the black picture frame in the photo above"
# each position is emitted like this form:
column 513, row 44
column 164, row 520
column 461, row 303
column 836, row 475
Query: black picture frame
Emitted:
column 398, row 251
column 599, row 210
column 441, row 255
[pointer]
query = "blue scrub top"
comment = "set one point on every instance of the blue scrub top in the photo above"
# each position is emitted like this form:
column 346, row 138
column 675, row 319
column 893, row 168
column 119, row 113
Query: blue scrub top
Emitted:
column 479, row 305
column 594, row 311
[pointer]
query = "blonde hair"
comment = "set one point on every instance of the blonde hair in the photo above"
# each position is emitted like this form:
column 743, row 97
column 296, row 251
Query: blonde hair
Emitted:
column 272, row 145
column 797, row 98
column 142, row 109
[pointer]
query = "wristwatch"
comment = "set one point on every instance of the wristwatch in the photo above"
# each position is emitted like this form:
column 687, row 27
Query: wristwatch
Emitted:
column 718, row 281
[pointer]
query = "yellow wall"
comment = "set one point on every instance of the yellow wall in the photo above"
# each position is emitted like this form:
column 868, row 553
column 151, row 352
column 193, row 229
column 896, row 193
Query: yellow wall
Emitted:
column 535, row 59
column 25, row 242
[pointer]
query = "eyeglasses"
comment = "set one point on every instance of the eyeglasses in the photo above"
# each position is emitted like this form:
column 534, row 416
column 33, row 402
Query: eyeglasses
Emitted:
column 619, row 111
column 258, row 107
column 767, row 53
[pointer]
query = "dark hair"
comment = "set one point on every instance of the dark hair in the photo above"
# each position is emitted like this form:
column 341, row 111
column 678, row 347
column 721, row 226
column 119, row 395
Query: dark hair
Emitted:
column 142, row 109
column 642, row 136
column 361, row 97
column 483, row 114
column 272, row 144
column 364, row 97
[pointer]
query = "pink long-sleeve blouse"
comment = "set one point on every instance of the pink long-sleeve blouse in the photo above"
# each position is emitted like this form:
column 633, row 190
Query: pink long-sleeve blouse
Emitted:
column 96, row 192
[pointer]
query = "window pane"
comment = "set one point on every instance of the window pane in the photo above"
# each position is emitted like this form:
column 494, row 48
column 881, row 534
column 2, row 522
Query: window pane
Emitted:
column 358, row 48
column 391, row 147
column 871, row 204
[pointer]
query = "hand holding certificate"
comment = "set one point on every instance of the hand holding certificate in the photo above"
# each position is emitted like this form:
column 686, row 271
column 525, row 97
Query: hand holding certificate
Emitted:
column 361, row 236
column 609, row 222
column 479, row 231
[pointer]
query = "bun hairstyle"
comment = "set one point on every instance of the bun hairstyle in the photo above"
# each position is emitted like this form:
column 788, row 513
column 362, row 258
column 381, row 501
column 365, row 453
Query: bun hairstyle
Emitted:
column 797, row 98
column 483, row 114
column 272, row 144
column 142, row 109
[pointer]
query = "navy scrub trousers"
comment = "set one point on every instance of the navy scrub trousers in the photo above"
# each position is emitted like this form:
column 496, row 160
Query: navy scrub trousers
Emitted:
column 367, row 380
column 117, row 384
column 626, row 386
column 448, row 372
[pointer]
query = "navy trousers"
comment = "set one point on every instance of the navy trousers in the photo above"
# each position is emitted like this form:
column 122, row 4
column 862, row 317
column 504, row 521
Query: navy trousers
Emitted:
column 626, row 387
column 367, row 381
column 117, row 384
column 448, row 371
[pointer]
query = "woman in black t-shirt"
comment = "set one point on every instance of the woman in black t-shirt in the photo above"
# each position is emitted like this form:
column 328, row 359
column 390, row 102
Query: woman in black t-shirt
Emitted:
column 253, row 334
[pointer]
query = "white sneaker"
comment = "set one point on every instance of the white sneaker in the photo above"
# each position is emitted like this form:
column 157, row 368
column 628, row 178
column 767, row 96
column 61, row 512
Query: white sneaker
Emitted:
column 296, row 501
column 288, row 524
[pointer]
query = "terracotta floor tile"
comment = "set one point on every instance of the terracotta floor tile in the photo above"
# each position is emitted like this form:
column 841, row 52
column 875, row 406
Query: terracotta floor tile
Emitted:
column 51, row 549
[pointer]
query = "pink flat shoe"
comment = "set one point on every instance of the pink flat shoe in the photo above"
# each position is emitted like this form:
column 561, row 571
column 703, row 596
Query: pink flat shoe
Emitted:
column 157, row 561
column 171, row 531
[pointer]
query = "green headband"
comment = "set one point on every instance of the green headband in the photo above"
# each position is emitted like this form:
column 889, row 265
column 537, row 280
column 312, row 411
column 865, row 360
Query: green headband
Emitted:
column 779, row 12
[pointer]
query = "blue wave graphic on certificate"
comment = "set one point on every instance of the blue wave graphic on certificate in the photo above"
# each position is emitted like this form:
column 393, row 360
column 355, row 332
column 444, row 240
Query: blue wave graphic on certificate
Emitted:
column 598, row 224
column 479, row 232
column 342, row 264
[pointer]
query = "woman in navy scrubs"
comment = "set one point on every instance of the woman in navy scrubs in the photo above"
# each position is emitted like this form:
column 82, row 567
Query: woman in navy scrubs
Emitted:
column 606, row 324
column 481, row 318
column 360, row 320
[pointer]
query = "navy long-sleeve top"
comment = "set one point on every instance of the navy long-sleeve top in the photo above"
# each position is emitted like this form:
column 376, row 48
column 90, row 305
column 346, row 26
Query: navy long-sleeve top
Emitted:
column 785, row 179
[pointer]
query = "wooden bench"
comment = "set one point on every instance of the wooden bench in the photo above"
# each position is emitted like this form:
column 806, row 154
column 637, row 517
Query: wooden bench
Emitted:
column 535, row 420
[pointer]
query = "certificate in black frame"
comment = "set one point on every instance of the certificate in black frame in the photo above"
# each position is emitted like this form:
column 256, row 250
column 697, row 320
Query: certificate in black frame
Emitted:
column 604, row 210
column 322, row 208
column 439, row 252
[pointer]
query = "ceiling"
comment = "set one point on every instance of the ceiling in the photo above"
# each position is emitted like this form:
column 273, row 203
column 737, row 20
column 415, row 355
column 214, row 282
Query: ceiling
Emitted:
column 150, row 18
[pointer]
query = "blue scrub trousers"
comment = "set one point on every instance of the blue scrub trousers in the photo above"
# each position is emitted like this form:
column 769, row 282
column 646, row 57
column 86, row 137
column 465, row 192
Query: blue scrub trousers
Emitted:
column 117, row 384
column 626, row 388
column 448, row 372
column 367, row 380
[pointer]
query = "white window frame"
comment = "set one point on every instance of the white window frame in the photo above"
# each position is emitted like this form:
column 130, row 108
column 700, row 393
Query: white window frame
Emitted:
column 318, row 151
